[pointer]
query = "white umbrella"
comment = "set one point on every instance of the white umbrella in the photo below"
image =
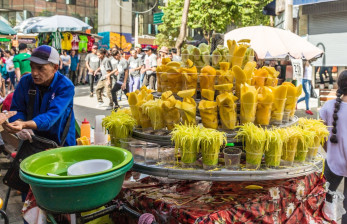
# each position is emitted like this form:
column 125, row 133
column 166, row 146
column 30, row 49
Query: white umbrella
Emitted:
column 58, row 23
column 28, row 22
column 269, row 42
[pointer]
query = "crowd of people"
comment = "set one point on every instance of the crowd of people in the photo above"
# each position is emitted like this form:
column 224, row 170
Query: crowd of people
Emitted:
column 13, row 66
column 114, row 71
column 110, row 71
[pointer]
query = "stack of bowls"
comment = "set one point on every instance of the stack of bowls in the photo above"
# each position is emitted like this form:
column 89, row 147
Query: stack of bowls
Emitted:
column 58, row 192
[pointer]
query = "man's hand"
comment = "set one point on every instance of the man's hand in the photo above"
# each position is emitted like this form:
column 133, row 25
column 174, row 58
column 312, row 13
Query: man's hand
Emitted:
column 25, row 134
column 6, row 115
column 123, row 86
column 91, row 71
column 13, row 127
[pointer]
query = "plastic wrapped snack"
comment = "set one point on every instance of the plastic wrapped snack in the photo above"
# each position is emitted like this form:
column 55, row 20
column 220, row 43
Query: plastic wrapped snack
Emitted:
column 208, row 113
column 248, row 103
column 227, row 110
column 280, row 94
column 171, row 113
column 274, row 146
column 254, row 139
column 264, row 106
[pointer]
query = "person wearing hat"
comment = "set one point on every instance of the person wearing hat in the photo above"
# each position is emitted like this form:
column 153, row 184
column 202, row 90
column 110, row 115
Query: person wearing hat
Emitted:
column 149, row 68
column 163, row 53
column 21, row 65
column 53, row 104
column 140, row 53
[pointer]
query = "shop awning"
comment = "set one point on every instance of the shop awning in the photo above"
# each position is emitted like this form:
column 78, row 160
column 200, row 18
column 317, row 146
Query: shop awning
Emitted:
column 6, row 29
column 306, row 2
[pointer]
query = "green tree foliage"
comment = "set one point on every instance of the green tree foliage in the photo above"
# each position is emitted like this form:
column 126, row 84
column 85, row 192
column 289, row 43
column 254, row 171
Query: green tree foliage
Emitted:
column 170, row 27
column 212, row 15
column 161, row 40
column 252, row 13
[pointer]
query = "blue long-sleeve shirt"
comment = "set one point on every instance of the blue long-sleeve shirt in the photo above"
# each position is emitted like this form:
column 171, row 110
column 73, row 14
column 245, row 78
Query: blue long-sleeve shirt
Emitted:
column 56, row 105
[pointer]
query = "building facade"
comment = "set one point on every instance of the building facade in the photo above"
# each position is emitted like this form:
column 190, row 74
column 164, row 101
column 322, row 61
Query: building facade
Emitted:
column 322, row 23
column 326, row 28
column 15, row 11
column 117, row 21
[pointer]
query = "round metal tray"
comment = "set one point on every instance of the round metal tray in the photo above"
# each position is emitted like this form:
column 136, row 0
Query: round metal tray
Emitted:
column 229, row 175
column 163, row 137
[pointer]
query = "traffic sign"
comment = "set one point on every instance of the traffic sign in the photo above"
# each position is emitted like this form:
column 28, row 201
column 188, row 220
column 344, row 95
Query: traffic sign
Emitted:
column 157, row 18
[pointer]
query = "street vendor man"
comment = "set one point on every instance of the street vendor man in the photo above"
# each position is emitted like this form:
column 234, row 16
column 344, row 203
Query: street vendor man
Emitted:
column 53, row 103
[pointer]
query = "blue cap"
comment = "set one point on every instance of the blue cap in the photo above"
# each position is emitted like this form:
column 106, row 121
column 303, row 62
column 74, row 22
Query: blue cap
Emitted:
column 44, row 55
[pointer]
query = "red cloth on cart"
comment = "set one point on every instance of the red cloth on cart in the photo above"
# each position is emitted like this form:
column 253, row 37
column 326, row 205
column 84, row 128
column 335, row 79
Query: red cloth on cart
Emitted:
column 295, row 200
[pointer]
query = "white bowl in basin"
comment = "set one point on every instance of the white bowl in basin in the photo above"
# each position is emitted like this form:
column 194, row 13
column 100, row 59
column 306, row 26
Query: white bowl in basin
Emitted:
column 88, row 167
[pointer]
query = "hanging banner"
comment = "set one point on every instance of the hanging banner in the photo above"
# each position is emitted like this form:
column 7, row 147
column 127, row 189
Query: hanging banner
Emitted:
column 298, row 71
column 27, row 40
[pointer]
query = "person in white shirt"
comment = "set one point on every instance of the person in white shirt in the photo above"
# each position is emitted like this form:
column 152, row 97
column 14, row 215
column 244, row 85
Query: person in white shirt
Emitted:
column 10, row 69
column 306, row 85
column 66, row 59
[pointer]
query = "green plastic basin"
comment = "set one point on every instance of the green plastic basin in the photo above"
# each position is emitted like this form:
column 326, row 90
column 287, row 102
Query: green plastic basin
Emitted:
column 76, row 195
column 57, row 161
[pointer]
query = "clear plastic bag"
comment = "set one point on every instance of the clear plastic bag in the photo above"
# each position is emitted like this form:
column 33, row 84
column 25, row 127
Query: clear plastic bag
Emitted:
column 334, row 210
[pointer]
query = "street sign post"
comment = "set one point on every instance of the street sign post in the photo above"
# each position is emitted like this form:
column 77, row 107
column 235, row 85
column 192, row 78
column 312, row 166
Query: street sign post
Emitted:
column 298, row 70
column 157, row 18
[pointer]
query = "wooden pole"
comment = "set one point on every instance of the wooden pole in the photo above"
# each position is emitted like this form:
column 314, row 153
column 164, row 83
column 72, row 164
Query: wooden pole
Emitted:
column 183, row 29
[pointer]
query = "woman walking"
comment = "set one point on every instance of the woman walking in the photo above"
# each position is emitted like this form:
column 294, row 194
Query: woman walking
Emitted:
column 306, row 85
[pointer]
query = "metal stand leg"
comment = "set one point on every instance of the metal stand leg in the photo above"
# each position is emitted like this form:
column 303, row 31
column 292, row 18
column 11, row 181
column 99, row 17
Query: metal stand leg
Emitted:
column 6, row 199
column 87, row 218
column 4, row 215
column 51, row 218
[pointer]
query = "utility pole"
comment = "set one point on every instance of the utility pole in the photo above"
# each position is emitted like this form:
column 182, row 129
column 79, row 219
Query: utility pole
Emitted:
column 288, row 21
column 136, row 28
column 183, row 29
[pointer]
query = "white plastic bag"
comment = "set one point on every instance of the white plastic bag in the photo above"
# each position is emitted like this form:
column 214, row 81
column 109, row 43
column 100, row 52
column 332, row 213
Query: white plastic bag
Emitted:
column 333, row 209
